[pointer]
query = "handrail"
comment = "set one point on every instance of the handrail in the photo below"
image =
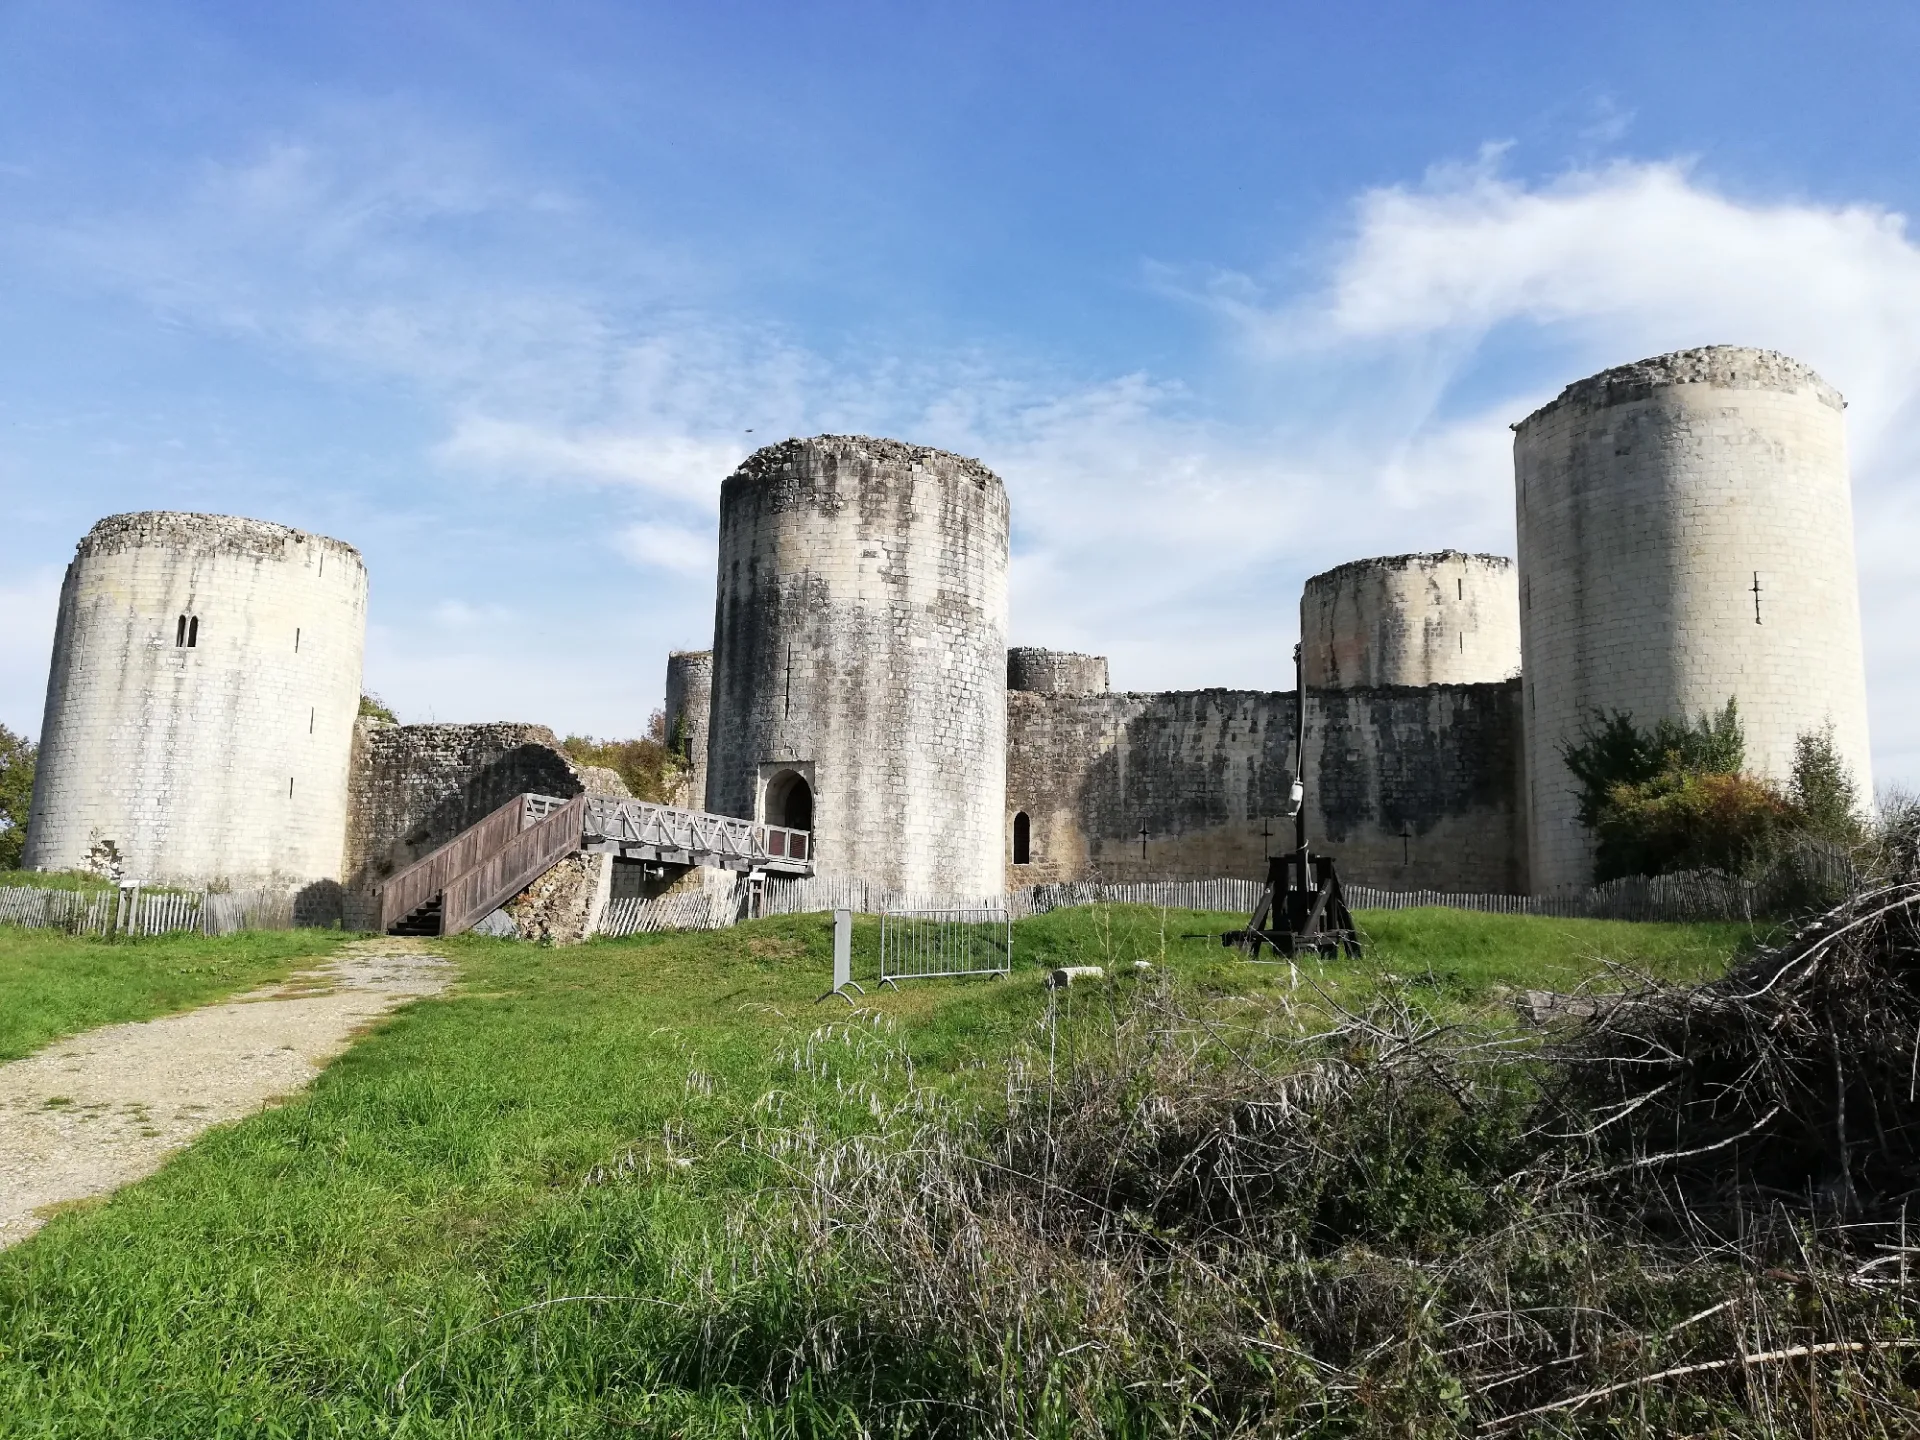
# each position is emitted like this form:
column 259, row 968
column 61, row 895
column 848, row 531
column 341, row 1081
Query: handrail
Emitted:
column 405, row 891
column 626, row 826
column 525, row 858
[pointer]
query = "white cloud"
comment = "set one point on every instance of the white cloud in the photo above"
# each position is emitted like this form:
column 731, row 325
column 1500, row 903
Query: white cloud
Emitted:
column 677, row 548
column 462, row 615
column 681, row 467
column 1602, row 266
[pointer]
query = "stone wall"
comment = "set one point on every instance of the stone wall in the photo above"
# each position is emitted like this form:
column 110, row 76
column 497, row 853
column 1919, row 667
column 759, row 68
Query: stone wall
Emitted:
column 1412, row 786
column 200, row 707
column 414, row 787
column 860, row 626
column 1419, row 787
column 1652, row 500
column 1056, row 672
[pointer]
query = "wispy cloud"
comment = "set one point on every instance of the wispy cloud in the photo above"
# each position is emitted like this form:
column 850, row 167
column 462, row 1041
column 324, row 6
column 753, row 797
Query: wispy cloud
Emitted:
column 676, row 548
column 682, row 467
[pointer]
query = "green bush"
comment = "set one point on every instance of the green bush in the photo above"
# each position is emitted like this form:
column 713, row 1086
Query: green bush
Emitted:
column 651, row 767
column 1689, row 820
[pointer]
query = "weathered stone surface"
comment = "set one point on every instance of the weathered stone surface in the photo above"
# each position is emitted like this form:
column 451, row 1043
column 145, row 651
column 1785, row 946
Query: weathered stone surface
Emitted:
column 200, row 708
column 1442, row 619
column 860, row 631
column 564, row 905
column 1409, row 786
column 689, row 701
column 1055, row 672
column 1652, row 499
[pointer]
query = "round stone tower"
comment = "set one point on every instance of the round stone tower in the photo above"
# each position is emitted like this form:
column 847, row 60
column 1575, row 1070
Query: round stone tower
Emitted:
column 689, row 694
column 1443, row 619
column 1055, row 672
column 1686, row 538
column 206, row 675
column 859, row 659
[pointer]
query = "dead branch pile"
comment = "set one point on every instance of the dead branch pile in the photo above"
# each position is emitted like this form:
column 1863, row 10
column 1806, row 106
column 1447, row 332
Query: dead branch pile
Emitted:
column 1373, row 1225
column 1789, row 1088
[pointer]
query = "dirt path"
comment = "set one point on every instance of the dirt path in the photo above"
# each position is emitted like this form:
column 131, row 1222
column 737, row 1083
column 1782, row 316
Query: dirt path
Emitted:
column 96, row 1111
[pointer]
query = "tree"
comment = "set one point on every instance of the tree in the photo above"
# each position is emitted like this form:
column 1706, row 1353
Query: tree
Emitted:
column 17, row 756
column 1822, row 788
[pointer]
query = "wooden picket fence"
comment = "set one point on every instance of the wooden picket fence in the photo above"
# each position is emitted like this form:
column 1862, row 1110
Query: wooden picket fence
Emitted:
column 691, row 910
column 1230, row 896
column 137, row 912
column 1700, row 895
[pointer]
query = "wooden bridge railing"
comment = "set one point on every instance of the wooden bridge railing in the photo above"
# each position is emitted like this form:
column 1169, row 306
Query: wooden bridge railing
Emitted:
column 521, row 861
column 407, row 890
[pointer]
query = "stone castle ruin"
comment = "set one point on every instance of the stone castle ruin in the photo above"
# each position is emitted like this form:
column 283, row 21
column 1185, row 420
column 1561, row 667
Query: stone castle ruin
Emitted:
column 1685, row 536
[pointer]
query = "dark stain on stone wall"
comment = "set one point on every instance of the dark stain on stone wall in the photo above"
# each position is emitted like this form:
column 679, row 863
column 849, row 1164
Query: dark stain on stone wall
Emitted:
column 1411, row 787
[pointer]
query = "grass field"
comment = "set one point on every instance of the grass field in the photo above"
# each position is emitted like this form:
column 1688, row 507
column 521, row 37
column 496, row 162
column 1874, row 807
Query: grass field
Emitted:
column 403, row 1250
column 53, row 984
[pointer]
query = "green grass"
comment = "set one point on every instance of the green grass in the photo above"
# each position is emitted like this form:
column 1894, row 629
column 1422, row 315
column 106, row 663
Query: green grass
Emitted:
column 53, row 984
column 1473, row 957
column 569, row 1122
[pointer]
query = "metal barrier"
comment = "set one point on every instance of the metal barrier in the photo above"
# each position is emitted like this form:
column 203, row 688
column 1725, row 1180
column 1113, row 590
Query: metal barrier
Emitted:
column 926, row 944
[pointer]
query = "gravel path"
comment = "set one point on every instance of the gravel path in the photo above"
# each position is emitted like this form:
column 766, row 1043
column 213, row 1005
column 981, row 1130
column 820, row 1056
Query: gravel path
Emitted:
column 96, row 1111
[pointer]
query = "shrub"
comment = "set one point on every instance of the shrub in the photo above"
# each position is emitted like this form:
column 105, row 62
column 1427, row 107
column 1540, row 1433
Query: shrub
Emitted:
column 1690, row 820
column 1675, row 797
column 372, row 707
column 1822, row 789
column 651, row 767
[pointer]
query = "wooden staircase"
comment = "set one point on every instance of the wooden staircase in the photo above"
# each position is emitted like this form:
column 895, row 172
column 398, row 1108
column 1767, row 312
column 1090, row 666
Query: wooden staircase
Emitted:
column 424, row 920
column 481, row 868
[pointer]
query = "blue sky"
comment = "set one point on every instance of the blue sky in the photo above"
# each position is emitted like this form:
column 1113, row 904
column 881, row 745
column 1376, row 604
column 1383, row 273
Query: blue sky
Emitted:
column 1228, row 294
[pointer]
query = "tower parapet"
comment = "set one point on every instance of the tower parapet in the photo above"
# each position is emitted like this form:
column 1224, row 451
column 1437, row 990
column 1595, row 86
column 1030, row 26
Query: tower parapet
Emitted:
column 1055, row 672
column 1447, row 618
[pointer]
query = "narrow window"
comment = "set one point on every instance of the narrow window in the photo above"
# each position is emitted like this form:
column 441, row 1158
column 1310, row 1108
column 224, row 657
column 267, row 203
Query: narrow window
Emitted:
column 1460, row 589
column 296, row 639
column 1022, row 840
column 311, row 709
column 193, row 631
column 289, row 787
column 180, row 633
